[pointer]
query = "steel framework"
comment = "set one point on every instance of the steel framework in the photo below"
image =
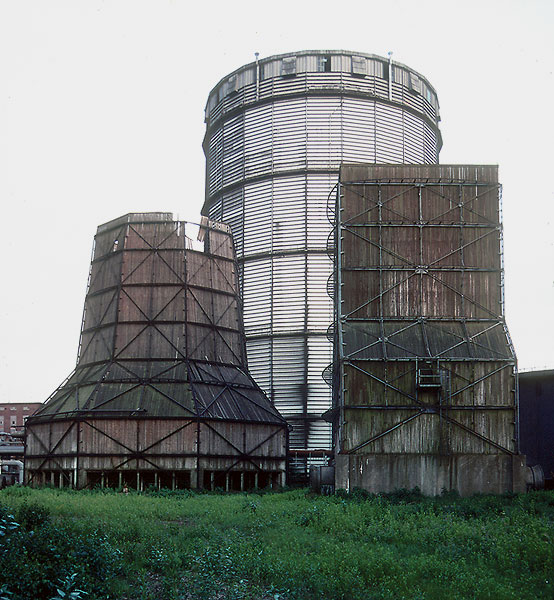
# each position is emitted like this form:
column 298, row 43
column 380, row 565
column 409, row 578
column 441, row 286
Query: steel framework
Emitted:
column 425, row 385
column 161, row 394
column 277, row 131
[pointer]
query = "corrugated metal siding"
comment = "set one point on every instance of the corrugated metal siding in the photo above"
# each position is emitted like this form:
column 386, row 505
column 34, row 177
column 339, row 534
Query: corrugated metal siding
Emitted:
column 306, row 121
column 314, row 133
column 308, row 75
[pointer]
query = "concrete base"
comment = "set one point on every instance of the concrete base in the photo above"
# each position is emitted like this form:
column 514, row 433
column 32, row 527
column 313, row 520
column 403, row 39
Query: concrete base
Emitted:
column 468, row 473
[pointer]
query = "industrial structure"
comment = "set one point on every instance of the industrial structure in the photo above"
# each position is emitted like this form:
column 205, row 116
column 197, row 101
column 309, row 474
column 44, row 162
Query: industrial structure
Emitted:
column 161, row 395
column 14, row 414
column 424, row 373
column 536, row 415
column 277, row 130
column 11, row 453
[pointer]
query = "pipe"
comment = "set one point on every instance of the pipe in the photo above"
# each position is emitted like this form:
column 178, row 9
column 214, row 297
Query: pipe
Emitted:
column 14, row 463
column 257, row 55
column 534, row 477
column 9, row 450
column 390, row 75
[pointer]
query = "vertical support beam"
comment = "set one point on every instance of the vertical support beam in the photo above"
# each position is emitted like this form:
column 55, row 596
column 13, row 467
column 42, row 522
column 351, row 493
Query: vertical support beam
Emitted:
column 390, row 75
column 198, row 482
column 80, row 478
column 257, row 54
column 340, row 341
column 305, row 340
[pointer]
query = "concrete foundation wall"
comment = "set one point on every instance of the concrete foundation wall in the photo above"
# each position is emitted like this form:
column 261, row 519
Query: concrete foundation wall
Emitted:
column 468, row 474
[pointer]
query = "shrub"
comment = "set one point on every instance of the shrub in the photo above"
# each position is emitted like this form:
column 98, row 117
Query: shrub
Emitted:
column 35, row 556
column 32, row 516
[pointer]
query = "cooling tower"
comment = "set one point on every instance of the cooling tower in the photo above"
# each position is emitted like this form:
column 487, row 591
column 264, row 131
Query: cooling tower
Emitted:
column 425, row 368
column 161, row 395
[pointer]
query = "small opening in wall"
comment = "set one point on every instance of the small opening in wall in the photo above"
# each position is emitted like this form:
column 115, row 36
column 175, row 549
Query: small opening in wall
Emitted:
column 324, row 63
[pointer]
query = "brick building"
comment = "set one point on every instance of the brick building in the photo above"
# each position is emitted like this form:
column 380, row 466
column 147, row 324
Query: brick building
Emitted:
column 13, row 415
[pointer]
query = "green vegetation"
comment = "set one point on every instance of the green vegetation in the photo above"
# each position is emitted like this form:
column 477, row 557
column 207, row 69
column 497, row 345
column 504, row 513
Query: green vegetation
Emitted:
column 60, row 544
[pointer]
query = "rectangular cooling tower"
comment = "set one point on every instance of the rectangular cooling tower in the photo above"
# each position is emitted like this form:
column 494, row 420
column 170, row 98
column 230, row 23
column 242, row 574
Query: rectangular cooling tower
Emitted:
column 425, row 388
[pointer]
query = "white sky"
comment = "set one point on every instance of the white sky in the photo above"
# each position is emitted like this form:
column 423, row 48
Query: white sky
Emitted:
column 101, row 113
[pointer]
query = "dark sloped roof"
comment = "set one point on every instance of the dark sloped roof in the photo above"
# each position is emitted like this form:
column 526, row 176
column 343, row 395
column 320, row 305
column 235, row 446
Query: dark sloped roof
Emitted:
column 447, row 340
column 161, row 389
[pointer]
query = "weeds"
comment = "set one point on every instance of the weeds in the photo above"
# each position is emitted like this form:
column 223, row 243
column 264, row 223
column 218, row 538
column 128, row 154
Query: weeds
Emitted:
column 68, row 589
column 286, row 546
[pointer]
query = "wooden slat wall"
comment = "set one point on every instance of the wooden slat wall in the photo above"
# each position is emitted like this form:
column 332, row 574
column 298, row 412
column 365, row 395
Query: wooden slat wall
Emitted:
column 144, row 287
column 415, row 246
column 104, row 445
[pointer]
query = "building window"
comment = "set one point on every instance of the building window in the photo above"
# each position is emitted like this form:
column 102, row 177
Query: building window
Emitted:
column 324, row 64
column 359, row 66
column 13, row 421
column 415, row 84
column 386, row 71
column 288, row 67
column 232, row 85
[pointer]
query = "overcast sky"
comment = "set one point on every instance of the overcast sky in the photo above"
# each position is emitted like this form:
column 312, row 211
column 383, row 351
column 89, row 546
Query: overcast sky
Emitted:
column 102, row 113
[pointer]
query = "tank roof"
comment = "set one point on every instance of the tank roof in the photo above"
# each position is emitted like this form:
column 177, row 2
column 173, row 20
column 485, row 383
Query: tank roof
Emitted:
column 274, row 57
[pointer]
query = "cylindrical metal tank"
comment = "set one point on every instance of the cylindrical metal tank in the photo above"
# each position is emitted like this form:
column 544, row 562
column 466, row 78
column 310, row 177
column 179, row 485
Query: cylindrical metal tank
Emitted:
column 277, row 131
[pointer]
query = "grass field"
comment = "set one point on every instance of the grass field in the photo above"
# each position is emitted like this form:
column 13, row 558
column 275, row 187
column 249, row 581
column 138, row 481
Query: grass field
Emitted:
column 275, row 546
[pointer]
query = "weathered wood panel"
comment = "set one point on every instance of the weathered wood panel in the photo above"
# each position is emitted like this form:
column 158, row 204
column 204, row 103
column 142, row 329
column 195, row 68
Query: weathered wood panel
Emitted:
column 161, row 380
column 154, row 445
column 426, row 364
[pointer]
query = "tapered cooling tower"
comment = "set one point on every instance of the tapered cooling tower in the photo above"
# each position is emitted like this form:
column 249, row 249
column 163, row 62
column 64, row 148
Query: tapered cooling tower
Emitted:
column 277, row 131
column 161, row 394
